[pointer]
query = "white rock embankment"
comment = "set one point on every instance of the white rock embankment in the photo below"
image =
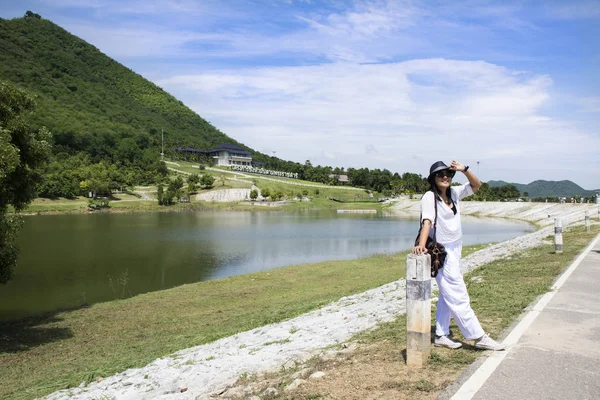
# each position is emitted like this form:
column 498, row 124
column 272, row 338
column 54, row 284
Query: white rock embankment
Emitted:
column 225, row 195
column 203, row 371
column 540, row 213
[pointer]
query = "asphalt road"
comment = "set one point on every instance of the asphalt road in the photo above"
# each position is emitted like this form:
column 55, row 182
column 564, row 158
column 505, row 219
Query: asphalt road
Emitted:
column 558, row 355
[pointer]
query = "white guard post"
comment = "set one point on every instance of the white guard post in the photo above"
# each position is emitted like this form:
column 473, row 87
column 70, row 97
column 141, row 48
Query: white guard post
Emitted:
column 418, row 309
column 587, row 221
column 558, row 242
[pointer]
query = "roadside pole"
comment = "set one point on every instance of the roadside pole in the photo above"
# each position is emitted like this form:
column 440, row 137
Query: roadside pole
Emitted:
column 558, row 242
column 418, row 309
column 587, row 221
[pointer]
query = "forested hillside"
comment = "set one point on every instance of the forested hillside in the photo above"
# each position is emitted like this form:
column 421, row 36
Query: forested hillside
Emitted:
column 97, row 109
column 541, row 188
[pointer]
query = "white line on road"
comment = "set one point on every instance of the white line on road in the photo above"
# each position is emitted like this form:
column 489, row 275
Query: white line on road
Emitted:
column 481, row 375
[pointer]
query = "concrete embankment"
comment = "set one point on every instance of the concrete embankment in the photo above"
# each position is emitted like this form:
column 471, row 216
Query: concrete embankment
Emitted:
column 542, row 214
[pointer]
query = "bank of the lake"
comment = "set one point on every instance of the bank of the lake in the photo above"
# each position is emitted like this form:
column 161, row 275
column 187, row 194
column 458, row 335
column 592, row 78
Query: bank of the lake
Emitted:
column 80, row 206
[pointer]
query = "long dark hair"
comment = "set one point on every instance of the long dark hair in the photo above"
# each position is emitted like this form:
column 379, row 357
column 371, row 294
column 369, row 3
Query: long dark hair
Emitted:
column 437, row 194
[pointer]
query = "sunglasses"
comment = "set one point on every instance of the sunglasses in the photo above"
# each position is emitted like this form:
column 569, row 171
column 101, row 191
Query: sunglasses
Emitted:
column 445, row 172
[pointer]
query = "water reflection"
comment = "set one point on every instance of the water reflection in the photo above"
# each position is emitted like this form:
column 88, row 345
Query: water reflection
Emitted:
column 68, row 260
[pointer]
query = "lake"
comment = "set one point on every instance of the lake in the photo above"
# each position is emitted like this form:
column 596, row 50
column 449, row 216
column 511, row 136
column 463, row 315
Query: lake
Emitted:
column 70, row 260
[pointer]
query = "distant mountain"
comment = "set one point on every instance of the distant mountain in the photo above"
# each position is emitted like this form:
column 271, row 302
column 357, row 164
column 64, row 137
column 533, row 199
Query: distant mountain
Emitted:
column 543, row 188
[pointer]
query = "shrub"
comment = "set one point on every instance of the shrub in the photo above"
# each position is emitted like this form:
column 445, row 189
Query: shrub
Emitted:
column 98, row 203
column 253, row 194
column 207, row 180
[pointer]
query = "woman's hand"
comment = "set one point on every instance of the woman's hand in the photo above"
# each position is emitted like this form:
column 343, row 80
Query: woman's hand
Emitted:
column 456, row 166
column 419, row 250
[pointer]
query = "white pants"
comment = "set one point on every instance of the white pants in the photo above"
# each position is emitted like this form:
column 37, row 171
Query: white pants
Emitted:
column 454, row 300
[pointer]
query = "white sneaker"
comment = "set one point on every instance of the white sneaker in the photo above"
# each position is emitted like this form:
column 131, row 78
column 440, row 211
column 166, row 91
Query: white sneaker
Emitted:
column 445, row 341
column 487, row 343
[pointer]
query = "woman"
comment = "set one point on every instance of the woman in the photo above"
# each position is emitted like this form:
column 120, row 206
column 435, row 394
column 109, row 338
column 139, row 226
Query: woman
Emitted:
column 453, row 299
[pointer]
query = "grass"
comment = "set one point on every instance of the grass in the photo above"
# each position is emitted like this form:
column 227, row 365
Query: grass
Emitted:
column 57, row 351
column 377, row 369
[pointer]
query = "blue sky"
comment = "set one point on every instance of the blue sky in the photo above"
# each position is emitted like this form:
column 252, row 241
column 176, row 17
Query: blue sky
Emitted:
column 513, row 85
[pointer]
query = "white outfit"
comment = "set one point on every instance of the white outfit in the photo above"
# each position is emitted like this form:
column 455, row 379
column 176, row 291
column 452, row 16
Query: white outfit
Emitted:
column 453, row 299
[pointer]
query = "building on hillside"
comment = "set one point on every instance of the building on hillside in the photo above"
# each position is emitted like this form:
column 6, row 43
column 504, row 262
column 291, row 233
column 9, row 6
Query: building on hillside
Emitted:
column 223, row 155
column 340, row 178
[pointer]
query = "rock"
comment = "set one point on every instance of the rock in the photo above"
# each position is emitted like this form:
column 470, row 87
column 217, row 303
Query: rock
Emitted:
column 270, row 391
column 225, row 195
column 295, row 385
column 99, row 379
column 237, row 391
column 303, row 373
column 183, row 389
column 317, row 375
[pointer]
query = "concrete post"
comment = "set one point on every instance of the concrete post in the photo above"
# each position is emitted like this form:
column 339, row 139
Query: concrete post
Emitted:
column 418, row 309
column 558, row 242
column 587, row 221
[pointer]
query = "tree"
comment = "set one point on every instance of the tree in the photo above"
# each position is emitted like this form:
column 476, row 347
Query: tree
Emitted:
column 23, row 152
column 192, row 188
column 30, row 14
column 207, row 180
column 193, row 181
column 160, row 194
column 194, row 178
column 253, row 194
column 162, row 169
column 173, row 191
column 265, row 193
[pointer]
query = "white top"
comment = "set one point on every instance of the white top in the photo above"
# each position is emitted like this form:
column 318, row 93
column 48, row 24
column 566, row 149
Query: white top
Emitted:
column 448, row 224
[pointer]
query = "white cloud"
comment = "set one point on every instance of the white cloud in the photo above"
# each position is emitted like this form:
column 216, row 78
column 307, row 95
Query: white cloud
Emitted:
column 140, row 7
column 574, row 10
column 400, row 116
column 368, row 31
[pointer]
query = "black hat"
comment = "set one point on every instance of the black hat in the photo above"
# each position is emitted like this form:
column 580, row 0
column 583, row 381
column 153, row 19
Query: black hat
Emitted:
column 437, row 166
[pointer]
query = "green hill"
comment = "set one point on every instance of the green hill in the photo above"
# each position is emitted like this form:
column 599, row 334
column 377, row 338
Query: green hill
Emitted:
column 90, row 102
column 541, row 188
